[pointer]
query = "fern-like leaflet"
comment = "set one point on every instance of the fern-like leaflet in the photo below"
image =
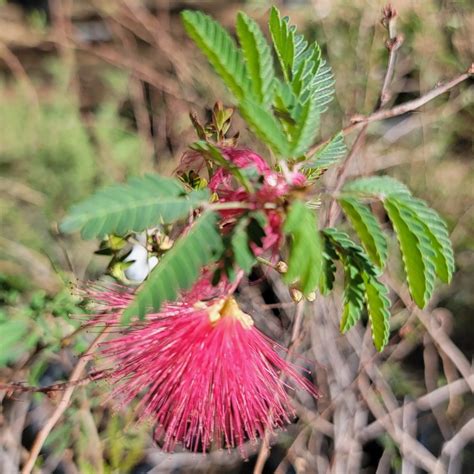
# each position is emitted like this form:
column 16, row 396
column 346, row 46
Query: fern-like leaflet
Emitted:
column 132, row 207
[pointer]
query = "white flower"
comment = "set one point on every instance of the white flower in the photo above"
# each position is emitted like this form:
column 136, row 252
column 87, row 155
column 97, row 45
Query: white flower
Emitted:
column 141, row 266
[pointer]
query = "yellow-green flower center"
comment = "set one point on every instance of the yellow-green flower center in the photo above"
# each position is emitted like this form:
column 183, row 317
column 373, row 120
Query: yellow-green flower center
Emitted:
column 226, row 307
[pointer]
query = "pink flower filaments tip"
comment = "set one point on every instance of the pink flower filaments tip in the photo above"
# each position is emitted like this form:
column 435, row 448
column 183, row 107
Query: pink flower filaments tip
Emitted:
column 207, row 375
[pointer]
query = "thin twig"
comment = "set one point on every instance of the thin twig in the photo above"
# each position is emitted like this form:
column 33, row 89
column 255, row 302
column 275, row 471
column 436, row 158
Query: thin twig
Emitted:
column 401, row 109
column 13, row 387
column 408, row 427
column 452, row 448
column 295, row 338
column 425, row 402
column 416, row 103
column 63, row 403
column 437, row 334
column 17, row 69
column 393, row 44
column 408, row 446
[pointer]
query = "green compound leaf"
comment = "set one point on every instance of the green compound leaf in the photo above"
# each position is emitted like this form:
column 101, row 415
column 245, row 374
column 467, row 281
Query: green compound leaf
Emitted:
column 179, row 268
column 422, row 234
column 437, row 233
column 305, row 262
column 416, row 248
column 346, row 248
column 308, row 86
column 301, row 62
column 132, row 207
column 378, row 308
column 321, row 88
column 312, row 79
column 327, row 156
column 368, row 230
column 220, row 49
column 258, row 57
column 361, row 286
column 326, row 282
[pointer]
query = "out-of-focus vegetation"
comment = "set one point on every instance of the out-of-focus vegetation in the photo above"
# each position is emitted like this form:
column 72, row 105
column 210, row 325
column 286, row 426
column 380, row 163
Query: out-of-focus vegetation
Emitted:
column 95, row 91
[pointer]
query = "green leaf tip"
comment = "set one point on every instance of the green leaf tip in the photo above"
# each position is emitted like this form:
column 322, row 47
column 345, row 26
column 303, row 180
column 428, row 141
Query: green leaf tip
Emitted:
column 258, row 58
column 220, row 49
column 367, row 228
column 328, row 155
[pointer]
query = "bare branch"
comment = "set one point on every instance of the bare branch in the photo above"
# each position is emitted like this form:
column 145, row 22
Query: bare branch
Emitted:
column 408, row 445
column 401, row 109
column 416, row 103
column 63, row 403
column 452, row 448
column 437, row 334
column 425, row 402
column 393, row 43
column 295, row 338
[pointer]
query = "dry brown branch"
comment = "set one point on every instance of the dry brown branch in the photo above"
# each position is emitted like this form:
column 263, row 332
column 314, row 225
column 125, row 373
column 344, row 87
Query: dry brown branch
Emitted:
column 63, row 402
column 408, row 445
column 21, row 191
column 425, row 402
column 414, row 104
column 294, row 341
column 393, row 44
column 17, row 69
column 437, row 333
column 140, row 69
column 137, row 95
column 452, row 448
column 431, row 364
column 37, row 265
column 401, row 109
column 19, row 387
column 11, row 429
column 408, row 427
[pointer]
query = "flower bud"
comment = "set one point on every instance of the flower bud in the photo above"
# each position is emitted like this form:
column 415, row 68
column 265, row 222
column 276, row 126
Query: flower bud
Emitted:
column 296, row 295
column 281, row 267
column 311, row 296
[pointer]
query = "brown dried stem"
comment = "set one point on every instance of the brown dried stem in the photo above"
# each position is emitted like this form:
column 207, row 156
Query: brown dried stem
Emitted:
column 393, row 44
column 63, row 402
column 294, row 341
column 410, row 106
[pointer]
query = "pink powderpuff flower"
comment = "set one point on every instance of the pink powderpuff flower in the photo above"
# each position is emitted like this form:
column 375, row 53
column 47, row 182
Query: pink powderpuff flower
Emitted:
column 206, row 375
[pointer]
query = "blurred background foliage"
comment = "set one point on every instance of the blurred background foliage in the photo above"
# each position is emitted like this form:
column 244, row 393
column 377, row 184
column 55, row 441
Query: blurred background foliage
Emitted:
column 93, row 91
